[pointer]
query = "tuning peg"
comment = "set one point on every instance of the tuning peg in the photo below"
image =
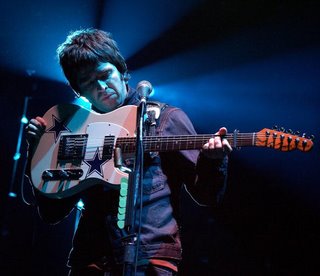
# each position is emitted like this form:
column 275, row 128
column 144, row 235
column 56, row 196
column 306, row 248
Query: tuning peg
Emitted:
column 290, row 131
column 311, row 137
column 303, row 135
column 297, row 132
column 282, row 129
column 275, row 127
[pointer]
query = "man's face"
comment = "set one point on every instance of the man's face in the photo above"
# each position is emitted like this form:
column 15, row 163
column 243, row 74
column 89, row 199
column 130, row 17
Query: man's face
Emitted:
column 103, row 86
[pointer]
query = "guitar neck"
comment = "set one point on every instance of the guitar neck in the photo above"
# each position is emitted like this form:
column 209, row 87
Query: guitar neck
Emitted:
column 264, row 138
column 73, row 147
column 183, row 142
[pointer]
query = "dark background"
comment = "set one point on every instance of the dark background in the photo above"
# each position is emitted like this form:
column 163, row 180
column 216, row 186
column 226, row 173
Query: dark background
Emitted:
column 246, row 65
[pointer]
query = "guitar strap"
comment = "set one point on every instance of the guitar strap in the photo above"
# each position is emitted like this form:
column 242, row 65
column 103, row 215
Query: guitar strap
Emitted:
column 153, row 113
column 152, row 120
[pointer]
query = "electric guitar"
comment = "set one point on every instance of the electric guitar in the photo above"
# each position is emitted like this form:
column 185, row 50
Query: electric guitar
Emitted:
column 79, row 147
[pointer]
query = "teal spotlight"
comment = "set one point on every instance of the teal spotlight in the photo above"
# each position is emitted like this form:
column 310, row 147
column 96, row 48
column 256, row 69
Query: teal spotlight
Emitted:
column 17, row 156
column 24, row 120
column 80, row 205
column 11, row 194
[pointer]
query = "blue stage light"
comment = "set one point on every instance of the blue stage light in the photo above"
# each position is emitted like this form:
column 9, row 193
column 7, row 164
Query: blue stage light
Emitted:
column 11, row 194
column 17, row 156
column 80, row 205
column 24, row 120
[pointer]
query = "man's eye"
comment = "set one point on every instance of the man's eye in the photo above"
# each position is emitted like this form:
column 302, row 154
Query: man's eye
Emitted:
column 105, row 77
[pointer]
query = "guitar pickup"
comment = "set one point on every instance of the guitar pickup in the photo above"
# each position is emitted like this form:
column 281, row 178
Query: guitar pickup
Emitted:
column 72, row 147
column 66, row 174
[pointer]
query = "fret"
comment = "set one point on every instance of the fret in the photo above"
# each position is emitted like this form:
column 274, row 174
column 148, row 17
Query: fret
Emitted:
column 245, row 139
column 166, row 143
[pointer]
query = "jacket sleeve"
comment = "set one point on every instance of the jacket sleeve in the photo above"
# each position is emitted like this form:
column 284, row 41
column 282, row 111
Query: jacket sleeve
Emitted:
column 204, row 179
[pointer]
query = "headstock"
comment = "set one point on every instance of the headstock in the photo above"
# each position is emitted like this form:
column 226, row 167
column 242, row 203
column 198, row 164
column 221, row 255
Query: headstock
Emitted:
column 283, row 140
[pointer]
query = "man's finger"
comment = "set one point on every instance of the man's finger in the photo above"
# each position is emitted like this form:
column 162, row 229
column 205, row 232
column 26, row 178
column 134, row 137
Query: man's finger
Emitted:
column 222, row 131
column 42, row 121
column 226, row 144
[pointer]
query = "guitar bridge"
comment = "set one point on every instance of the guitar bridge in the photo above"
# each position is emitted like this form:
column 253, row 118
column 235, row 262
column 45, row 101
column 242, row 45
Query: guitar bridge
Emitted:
column 66, row 174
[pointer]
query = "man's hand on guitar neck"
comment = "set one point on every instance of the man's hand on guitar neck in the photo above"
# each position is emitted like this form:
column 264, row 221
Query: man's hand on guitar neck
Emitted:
column 34, row 131
column 217, row 147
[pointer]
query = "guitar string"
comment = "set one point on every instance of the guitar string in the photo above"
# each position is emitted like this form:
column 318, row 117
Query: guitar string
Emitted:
column 169, row 139
column 185, row 137
column 175, row 139
column 157, row 139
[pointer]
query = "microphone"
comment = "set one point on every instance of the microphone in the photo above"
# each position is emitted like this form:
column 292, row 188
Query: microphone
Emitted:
column 144, row 89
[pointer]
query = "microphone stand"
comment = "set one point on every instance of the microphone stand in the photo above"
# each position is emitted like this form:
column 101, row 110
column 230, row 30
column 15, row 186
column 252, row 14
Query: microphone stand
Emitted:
column 135, row 184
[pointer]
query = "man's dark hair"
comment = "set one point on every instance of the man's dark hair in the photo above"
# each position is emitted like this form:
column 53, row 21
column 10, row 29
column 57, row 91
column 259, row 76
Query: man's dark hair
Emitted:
column 88, row 47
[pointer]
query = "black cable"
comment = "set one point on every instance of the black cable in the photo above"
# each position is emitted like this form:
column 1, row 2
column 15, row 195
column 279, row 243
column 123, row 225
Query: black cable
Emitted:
column 22, row 186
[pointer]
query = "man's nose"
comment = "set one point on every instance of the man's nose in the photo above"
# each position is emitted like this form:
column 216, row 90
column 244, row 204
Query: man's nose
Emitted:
column 103, row 84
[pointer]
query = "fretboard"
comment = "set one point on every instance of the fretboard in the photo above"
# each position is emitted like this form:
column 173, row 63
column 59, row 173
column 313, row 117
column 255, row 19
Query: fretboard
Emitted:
column 182, row 142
